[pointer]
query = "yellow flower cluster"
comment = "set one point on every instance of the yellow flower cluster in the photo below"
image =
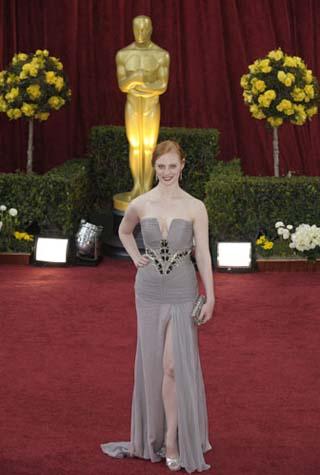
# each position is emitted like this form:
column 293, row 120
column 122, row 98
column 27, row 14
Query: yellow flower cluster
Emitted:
column 275, row 121
column 312, row 111
column 293, row 62
column 28, row 109
column 23, row 236
column 19, row 57
column 42, row 116
column 258, row 86
column 260, row 65
column 33, row 85
column 301, row 114
column 309, row 92
column 266, row 98
column 52, row 78
column 256, row 112
column 55, row 102
column 286, row 107
column 298, row 94
column 34, row 91
column 57, row 63
column 264, row 243
column 308, row 76
column 286, row 78
column 279, row 87
column 276, row 54
column 3, row 104
column 12, row 94
column 14, row 113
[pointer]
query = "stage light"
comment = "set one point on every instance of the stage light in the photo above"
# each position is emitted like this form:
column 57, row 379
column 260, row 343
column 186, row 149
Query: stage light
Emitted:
column 234, row 256
column 50, row 250
column 88, row 243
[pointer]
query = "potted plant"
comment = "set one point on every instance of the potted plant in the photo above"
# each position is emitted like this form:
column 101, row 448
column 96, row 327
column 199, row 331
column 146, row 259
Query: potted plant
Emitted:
column 33, row 86
column 293, row 248
column 15, row 245
column 280, row 88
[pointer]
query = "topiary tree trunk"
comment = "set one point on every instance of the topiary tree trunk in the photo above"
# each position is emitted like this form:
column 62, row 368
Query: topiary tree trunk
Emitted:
column 275, row 151
column 30, row 147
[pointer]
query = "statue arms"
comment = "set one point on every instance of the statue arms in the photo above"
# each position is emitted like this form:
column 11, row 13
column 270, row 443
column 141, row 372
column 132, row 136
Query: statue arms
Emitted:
column 134, row 82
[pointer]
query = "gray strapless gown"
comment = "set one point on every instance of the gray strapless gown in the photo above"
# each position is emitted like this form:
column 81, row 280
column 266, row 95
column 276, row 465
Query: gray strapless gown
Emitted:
column 159, row 297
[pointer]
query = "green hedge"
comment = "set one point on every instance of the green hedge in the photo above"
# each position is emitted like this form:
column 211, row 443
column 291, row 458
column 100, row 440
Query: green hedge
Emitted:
column 59, row 198
column 238, row 207
column 109, row 152
column 226, row 169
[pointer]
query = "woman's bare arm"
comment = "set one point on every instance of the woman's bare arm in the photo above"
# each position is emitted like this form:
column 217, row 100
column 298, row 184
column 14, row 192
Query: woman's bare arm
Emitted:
column 203, row 258
column 126, row 228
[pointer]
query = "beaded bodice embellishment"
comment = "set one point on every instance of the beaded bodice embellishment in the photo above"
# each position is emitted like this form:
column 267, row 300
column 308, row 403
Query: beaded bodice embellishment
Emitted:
column 164, row 259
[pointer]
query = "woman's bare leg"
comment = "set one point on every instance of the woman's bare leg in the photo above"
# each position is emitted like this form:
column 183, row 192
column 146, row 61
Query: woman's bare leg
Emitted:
column 169, row 395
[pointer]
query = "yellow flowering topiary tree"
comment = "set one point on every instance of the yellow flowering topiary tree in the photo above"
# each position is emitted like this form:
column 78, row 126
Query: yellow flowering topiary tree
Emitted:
column 280, row 88
column 32, row 87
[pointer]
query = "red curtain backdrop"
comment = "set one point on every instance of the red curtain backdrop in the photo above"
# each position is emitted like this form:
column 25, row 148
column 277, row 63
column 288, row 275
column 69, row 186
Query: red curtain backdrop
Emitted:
column 211, row 43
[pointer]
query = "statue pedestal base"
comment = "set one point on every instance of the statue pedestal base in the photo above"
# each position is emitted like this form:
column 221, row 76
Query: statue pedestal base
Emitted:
column 122, row 200
column 113, row 246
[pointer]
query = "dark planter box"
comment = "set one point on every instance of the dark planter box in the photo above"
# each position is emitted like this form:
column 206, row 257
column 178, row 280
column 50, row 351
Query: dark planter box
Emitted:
column 287, row 265
column 15, row 258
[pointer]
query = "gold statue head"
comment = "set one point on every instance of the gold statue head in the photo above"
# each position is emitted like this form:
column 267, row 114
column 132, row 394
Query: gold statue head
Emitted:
column 142, row 29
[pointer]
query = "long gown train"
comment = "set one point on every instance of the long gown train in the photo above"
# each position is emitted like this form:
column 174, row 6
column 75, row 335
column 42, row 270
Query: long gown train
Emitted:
column 163, row 293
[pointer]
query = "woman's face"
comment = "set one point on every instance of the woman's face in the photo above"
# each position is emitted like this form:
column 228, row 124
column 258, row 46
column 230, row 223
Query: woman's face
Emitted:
column 168, row 168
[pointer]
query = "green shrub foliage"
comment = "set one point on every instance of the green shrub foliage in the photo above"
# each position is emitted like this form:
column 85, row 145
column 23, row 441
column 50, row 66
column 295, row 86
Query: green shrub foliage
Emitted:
column 59, row 198
column 109, row 152
column 239, row 207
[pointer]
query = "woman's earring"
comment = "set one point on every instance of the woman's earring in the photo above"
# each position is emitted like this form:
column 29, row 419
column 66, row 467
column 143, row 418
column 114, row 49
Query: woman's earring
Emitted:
column 180, row 177
column 157, row 178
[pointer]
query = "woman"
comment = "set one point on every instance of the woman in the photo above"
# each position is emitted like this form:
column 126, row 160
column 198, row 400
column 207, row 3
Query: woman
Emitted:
column 169, row 415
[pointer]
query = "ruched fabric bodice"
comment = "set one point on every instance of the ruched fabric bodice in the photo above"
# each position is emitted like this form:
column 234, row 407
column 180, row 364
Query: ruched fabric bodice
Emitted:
column 177, row 282
column 180, row 233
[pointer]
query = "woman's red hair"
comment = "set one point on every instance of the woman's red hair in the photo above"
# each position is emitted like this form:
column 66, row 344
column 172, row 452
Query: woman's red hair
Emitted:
column 165, row 147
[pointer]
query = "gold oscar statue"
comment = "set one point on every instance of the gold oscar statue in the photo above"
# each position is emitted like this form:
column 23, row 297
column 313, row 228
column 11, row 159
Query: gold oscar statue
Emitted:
column 142, row 72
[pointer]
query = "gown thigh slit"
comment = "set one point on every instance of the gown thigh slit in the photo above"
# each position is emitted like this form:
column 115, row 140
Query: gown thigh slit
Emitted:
column 168, row 365
column 161, row 297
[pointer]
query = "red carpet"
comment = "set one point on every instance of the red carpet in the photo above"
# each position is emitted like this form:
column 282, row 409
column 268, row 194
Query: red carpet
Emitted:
column 67, row 355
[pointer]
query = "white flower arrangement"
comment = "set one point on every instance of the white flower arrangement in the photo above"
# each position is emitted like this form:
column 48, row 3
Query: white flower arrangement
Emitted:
column 10, row 239
column 283, row 230
column 13, row 212
column 305, row 238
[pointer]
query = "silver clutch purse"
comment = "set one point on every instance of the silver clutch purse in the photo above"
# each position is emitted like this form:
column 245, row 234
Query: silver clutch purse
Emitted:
column 201, row 299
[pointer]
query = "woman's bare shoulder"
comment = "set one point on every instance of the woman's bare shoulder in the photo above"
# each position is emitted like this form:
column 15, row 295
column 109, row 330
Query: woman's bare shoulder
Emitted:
column 193, row 203
column 196, row 208
column 139, row 202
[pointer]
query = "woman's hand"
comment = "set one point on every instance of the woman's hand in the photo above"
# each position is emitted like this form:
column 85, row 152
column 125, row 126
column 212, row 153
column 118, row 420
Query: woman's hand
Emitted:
column 206, row 312
column 142, row 261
